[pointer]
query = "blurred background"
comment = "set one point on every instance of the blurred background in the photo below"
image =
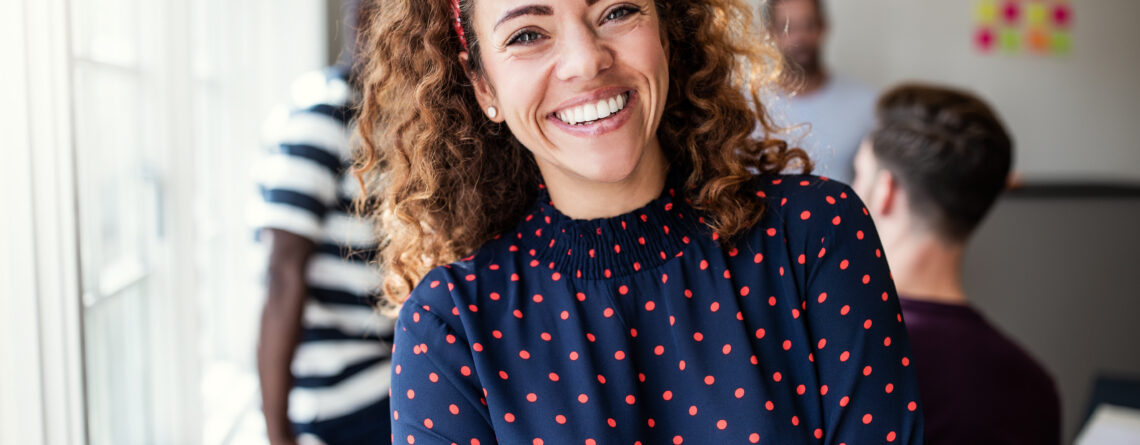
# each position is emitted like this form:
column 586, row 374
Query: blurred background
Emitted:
column 130, row 276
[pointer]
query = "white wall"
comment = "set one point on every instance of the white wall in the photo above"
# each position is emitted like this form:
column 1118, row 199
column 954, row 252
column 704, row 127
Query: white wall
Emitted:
column 1073, row 116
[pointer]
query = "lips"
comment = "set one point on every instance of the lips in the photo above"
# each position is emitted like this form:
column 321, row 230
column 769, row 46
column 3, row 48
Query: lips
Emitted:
column 594, row 110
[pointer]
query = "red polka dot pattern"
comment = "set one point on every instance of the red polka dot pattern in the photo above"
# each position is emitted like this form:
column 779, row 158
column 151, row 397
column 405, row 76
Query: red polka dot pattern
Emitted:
column 643, row 329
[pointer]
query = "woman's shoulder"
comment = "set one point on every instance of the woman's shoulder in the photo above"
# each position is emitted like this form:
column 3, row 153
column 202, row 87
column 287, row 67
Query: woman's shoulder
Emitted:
column 803, row 209
column 452, row 289
column 802, row 197
column 805, row 189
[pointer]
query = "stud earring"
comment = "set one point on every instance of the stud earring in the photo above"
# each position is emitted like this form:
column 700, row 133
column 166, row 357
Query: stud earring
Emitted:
column 492, row 112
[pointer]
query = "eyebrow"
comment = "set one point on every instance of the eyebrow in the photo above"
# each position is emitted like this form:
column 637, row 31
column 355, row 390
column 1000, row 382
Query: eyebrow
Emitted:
column 524, row 10
column 530, row 10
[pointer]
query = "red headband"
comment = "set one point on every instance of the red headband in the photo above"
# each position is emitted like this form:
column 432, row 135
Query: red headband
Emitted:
column 458, row 24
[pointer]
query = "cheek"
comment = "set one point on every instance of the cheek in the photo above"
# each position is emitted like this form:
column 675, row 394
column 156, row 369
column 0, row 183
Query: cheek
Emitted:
column 781, row 39
column 648, row 56
column 517, row 96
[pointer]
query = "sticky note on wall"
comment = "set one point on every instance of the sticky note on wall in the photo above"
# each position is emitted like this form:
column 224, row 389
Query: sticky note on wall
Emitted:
column 1019, row 26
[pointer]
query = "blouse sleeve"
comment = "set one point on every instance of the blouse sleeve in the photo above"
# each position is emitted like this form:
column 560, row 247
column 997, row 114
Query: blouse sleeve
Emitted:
column 436, row 395
column 861, row 348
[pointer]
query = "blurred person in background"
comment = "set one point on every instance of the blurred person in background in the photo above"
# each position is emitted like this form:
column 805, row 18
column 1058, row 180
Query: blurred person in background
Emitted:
column 929, row 172
column 826, row 113
column 324, row 353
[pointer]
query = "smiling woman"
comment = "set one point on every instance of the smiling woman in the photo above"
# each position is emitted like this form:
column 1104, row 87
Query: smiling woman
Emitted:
column 582, row 58
column 453, row 177
column 637, row 269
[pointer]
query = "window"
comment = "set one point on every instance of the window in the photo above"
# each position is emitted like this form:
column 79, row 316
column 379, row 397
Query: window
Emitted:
column 139, row 200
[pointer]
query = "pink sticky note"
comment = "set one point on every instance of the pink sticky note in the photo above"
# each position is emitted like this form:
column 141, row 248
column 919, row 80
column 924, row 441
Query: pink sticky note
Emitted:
column 1062, row 15
column 1011, row 11
column 984, row 39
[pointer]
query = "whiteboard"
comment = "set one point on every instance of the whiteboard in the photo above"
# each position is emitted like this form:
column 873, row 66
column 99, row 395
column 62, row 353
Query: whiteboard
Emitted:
column 1074, row 117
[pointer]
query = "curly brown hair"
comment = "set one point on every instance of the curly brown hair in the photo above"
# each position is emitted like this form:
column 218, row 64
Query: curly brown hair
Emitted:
column 450, row 179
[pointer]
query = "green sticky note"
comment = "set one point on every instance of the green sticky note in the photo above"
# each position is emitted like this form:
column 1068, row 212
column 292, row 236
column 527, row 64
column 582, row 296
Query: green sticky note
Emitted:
column 1010, row 40
column 1062, row 42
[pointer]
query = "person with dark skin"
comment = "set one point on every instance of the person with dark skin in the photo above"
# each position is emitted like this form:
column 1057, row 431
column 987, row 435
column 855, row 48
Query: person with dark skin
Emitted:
column 829, row 113
column 323, row 353
column 280, row 329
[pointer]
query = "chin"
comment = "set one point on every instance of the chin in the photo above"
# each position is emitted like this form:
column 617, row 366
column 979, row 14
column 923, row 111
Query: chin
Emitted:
column 605, row 169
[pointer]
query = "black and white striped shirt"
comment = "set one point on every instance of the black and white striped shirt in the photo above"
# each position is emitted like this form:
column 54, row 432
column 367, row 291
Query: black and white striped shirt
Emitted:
column 342, row 364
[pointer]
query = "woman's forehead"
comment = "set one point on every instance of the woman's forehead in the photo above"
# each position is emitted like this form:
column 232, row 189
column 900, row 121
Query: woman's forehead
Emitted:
column 503, row 6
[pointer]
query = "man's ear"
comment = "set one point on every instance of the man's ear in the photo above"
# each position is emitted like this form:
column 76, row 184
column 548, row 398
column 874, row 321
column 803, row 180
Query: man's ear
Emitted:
column 484, row 92
column 887, row 199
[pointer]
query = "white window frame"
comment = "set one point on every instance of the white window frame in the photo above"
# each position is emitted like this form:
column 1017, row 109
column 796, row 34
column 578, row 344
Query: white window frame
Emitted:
column 41, row 356
column 42, row 392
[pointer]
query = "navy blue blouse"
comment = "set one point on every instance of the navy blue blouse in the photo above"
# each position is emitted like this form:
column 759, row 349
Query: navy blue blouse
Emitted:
column 643, row 329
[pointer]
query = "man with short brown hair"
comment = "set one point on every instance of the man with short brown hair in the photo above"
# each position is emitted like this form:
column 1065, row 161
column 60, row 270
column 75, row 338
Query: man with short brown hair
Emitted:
column 931, row 169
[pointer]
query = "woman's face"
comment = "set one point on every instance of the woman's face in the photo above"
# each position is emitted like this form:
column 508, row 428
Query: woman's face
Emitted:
column 581, row 83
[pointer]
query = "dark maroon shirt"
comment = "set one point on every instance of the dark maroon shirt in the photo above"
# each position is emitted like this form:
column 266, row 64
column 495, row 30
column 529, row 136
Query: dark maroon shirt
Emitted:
column 977, row 385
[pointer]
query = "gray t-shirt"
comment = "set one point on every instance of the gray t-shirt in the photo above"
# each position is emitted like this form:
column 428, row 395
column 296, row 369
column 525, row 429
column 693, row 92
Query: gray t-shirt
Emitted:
column 829, row 124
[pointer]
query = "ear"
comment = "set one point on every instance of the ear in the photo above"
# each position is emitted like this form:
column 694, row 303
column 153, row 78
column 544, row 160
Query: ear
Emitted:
column 889, row 194
column 484, row 92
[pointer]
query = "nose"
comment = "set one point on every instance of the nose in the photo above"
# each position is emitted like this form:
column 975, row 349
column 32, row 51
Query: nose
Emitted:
column 583, row 54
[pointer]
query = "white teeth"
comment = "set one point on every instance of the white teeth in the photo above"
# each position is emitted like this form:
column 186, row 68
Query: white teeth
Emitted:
column 603, row 109
column 594, row 111
column 590, row 112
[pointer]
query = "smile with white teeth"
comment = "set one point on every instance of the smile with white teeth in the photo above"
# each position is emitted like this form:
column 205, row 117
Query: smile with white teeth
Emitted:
column 590, row 112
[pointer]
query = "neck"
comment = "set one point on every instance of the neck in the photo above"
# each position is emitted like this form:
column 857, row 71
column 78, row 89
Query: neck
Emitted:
column 927, row 268
column 581, row 198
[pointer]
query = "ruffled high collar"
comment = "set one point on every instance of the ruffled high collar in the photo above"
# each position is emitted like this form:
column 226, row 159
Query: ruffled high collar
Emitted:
column 608, row 247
